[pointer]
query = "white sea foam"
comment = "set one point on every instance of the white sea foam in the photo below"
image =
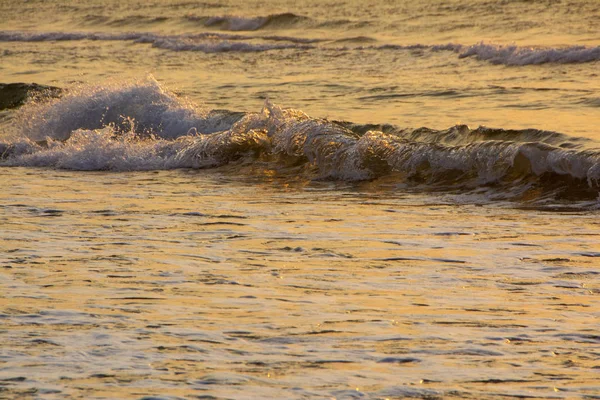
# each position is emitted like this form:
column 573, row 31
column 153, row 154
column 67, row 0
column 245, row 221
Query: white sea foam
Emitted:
column 142, row 106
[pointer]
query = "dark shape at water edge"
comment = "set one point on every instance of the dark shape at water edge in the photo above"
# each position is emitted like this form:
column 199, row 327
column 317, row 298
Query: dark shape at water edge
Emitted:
column 13, row 95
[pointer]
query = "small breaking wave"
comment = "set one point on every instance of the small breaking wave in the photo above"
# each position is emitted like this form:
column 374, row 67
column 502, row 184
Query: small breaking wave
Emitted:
column 142, row 126
column 518, row 56
column 236, row 23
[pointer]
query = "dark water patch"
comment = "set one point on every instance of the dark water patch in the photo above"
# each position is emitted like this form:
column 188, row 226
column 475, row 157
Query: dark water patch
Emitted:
column 456, row 94
column 44, row 342
column 15, row 379
column 446, row 260
column 292, row 249
column 589, row 254
column 13, row 95
column 578, row 275
column 200, row 214
column 141, row 298
column 475, row 324
column 591, row 102
column 501, row 381
column 453, row 234
column 221, row 223
column 187, row 348
column 105, row 213
column 356, row 39
column 136, row 20
column 161, row 398
column 579, row 337
column 223, row 282
column 222, row 379
column 399, row 360
column 230, row 216
column 290, row 301
column 401, row 259
column 102, row 376
column 348, row 394
column 323, row 252
column 191, row 214
column 568, row 286
column 404, row 392
column 573, row 305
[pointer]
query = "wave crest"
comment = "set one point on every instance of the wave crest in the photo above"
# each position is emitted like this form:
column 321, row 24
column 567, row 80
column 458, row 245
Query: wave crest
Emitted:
column 141, row 126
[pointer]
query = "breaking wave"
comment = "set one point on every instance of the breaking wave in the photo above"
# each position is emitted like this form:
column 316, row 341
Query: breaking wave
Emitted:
column 142, row 126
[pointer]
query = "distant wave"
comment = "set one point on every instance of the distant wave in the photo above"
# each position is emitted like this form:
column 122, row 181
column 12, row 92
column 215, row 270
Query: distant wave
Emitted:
column 212, row 42
column 142, row 126
column 236, row 23
column 508, row 55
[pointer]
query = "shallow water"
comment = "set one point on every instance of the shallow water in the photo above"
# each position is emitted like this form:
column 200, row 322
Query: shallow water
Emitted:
column 191, row 284
column 230, row 200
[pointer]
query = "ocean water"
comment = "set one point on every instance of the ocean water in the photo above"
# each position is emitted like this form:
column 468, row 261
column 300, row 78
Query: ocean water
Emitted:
column 349, row 200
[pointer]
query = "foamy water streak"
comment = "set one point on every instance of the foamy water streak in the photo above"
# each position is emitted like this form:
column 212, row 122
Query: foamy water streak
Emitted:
column 142, row 126
column 203, row 42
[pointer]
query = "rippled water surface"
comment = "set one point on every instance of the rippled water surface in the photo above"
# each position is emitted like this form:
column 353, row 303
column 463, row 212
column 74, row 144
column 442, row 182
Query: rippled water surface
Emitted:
column 191, row 284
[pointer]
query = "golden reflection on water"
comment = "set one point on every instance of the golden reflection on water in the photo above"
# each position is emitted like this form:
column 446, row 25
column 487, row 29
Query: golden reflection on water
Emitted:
column 130, row 285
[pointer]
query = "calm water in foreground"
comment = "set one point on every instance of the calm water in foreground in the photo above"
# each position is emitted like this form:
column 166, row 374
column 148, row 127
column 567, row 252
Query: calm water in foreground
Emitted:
column 312, row 200
column 196, row 284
